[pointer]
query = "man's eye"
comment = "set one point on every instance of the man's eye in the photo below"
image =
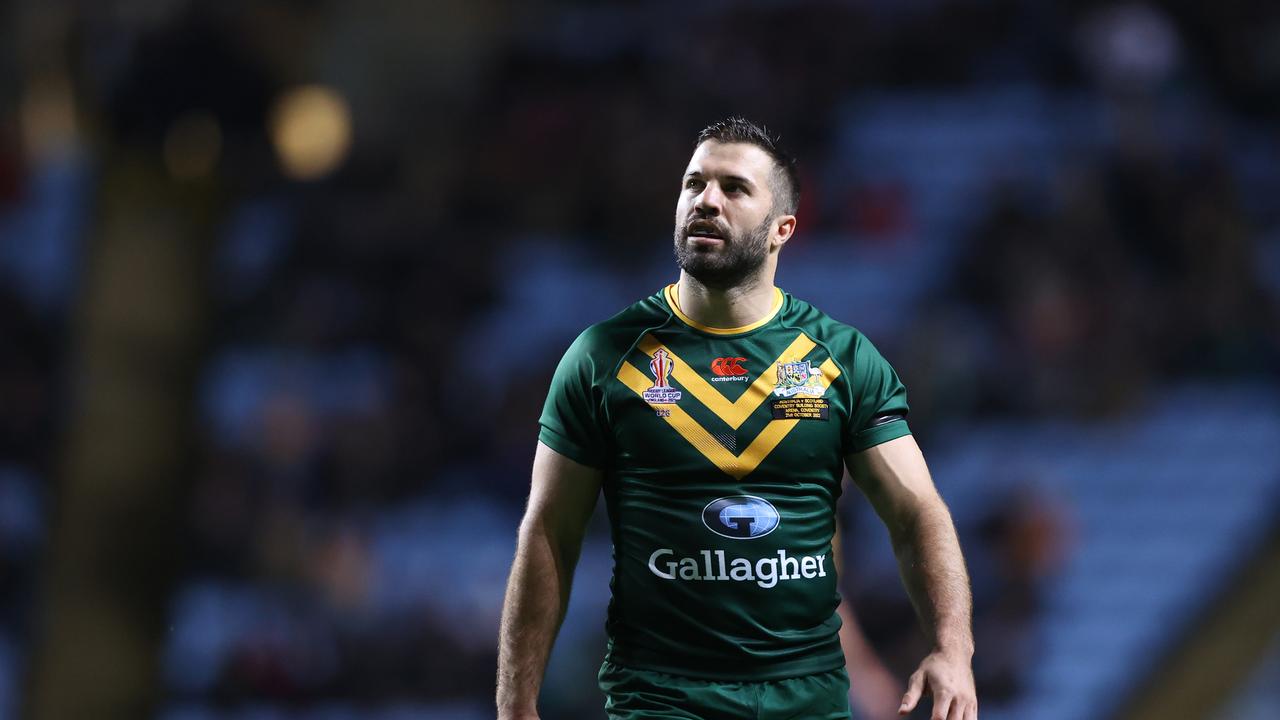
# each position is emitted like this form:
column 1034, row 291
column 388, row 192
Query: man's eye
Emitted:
column 733, row 188
column 691, row 183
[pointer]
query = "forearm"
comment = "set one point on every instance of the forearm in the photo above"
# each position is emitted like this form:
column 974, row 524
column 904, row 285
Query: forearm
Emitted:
column 536, row 599
column 934, row 574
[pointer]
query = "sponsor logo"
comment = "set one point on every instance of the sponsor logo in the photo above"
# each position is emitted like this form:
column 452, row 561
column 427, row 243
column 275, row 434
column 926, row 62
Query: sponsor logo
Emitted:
column 661, row 393
column 798, row 378
column 741, row 517
column 728, row 369
column 715, row 566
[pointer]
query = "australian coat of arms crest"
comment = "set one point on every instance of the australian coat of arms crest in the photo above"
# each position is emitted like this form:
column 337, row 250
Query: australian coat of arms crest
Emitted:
column 798, row 378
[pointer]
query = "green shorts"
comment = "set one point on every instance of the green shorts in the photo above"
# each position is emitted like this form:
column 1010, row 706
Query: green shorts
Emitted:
column 632, row 694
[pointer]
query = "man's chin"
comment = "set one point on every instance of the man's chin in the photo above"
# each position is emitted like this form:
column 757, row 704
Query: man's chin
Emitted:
column 712, row 274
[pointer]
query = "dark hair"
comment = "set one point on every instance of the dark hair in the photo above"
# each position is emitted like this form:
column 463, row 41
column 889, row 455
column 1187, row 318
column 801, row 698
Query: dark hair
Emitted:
column 785, row 178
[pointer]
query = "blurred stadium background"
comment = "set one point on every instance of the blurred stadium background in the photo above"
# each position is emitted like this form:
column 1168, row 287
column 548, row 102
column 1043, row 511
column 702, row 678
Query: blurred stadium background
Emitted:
column 282, row 284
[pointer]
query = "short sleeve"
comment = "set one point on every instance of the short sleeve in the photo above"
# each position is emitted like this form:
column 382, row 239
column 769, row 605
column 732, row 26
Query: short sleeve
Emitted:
column 571, row 422
column 879, row 410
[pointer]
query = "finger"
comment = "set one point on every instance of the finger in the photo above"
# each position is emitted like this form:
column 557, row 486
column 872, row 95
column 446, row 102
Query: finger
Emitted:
column 942, row 705
column 959, row 707
column 972, row 712
column 915, row 685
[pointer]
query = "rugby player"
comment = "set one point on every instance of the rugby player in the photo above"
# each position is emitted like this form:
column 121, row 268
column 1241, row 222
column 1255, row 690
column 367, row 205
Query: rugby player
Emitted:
column 718, row 416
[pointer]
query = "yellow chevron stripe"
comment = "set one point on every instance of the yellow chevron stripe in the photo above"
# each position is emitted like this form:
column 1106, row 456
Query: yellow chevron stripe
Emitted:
column 688, row 428
column 736, row 466
column 776, row 430
column 733, row 413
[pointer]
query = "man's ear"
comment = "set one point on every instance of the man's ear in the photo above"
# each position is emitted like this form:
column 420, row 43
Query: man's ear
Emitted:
column 784, row 227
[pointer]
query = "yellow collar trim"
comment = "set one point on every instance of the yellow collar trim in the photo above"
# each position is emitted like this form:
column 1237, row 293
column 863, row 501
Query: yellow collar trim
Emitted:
column 673, row 300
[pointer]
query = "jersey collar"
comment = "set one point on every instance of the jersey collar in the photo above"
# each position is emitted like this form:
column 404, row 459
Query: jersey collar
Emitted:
column 670, row 293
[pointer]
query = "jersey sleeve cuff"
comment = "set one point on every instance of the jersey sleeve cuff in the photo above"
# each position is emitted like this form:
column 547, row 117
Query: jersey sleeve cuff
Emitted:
column 873, row 436
column 568, row 448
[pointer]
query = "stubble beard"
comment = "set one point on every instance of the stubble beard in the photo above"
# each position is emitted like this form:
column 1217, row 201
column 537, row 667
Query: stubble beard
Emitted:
column 733, row 264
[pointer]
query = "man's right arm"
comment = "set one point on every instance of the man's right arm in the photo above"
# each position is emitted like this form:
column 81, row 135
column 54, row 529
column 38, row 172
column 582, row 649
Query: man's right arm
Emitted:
column 562, row 497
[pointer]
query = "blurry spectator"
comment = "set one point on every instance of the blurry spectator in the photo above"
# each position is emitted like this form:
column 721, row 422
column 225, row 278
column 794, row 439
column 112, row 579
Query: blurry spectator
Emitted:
column 1023, row 538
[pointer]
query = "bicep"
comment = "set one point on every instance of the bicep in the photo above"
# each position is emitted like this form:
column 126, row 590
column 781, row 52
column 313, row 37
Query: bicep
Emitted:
column 562, row 496
column 894, row 477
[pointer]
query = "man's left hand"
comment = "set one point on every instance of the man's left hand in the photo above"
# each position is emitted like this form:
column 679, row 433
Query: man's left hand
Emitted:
column 948, row 678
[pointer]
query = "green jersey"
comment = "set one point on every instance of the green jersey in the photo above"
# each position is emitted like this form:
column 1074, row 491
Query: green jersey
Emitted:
column 722, row 452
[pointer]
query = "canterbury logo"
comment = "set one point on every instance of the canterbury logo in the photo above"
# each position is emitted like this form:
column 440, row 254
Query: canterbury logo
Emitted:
column 732, row 412
column 731, row 366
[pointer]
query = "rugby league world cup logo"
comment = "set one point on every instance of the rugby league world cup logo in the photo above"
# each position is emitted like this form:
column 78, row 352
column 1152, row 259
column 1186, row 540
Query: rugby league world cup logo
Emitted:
column 661, row 393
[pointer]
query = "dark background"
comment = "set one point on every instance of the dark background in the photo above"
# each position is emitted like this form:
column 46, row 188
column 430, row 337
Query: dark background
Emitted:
column 282, row 285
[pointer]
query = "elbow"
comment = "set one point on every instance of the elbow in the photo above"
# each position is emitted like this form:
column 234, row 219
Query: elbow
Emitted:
column 922, row 512
column 539, row 531
column 532, row 525
column 535, row 531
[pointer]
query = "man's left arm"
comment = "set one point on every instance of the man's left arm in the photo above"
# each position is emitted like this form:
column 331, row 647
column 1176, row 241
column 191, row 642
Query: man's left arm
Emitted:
column 894, row 477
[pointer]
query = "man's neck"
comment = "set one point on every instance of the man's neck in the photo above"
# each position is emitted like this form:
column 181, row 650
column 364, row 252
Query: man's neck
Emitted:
column 733, row 307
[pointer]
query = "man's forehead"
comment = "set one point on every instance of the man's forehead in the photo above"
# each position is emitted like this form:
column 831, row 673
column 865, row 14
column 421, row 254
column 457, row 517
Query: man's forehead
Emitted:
column 741, row 159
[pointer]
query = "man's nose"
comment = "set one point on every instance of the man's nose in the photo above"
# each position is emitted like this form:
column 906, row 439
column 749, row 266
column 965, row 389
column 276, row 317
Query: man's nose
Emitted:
column 709, row 200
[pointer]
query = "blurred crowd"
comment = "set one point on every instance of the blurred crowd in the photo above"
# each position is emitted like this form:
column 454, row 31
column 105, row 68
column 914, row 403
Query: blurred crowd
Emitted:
column 361, row 423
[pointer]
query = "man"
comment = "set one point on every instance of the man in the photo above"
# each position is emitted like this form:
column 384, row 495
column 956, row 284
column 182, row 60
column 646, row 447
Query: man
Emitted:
column 718, row 416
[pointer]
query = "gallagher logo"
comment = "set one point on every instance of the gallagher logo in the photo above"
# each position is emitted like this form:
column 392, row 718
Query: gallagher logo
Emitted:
column 740, row 517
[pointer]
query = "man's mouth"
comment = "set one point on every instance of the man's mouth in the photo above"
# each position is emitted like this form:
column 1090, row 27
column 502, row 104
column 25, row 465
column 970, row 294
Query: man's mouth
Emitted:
column 705, row 229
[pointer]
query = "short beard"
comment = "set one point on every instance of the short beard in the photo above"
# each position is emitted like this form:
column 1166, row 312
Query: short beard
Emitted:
column 740, row 257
